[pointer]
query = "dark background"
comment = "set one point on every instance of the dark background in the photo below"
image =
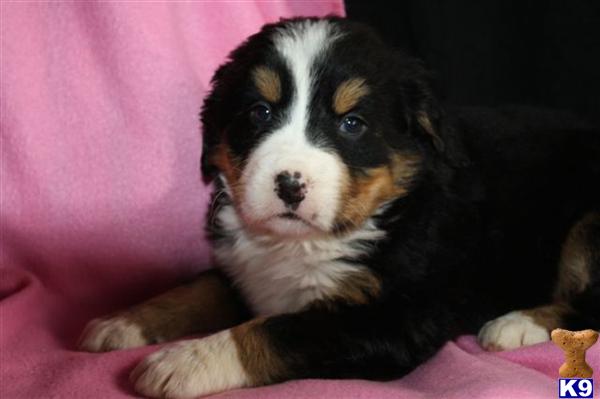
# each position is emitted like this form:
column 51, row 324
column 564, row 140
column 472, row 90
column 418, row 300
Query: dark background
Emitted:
column 490, row 52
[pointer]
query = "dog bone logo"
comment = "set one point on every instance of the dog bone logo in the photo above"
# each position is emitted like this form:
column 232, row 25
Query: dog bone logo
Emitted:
column 574, row 344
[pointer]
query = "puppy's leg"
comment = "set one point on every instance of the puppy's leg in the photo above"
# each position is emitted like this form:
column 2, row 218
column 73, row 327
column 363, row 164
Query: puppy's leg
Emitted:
column 362, row 342
column 206, row 304
column 576, row 298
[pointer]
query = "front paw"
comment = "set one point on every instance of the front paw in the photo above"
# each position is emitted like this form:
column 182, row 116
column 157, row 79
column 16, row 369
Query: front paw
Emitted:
column 511, row 331
column 191, row 368
column 103, row 335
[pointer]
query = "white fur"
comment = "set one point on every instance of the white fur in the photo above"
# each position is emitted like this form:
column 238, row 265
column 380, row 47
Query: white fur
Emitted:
column 278, row 276
column 288, row 148
column 192, row 368
column 281, row 265
column 511, row 331
column 110, row 334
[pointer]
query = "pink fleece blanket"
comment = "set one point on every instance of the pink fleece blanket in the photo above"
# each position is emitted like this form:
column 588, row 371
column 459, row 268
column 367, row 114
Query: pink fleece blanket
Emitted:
column 103, row 205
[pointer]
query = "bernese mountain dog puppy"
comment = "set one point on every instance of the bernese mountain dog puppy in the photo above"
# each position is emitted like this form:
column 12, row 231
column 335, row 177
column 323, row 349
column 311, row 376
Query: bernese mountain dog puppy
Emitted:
column 357, row 226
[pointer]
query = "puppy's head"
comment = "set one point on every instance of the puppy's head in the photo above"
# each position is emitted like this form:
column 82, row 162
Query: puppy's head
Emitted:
column 313, row 125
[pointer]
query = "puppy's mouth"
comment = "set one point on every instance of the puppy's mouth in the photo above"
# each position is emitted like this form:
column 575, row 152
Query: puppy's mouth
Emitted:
column 292, row 224
column 290, row 215
column 294, row 217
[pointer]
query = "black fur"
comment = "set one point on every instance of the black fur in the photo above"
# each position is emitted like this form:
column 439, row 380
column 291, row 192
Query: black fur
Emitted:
column 478, row 235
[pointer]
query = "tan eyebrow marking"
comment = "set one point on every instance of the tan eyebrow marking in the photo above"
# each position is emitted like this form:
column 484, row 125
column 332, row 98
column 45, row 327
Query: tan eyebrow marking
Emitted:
column 268, row 83
column 348, row 93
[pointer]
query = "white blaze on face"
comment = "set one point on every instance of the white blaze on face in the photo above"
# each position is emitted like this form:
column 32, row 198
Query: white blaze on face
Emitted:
column 288, row 148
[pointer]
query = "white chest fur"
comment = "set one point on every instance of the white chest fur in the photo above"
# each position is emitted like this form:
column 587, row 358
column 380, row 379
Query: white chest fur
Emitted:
column 277, row 276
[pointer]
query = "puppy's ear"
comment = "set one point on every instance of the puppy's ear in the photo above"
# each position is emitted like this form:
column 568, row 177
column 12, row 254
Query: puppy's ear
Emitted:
column 215, row 114
column 422, row 109
column 211, row 136
column 429, row 123
column 224, row 99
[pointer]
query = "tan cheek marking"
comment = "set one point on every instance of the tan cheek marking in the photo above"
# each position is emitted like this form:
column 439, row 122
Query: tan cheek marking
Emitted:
column 268, row 83
column 260, row 362
column 348, row 94
column 230, row 167
column 362, row 195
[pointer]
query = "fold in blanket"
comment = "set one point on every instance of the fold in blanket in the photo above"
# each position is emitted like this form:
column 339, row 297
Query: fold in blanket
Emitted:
column 103, row 204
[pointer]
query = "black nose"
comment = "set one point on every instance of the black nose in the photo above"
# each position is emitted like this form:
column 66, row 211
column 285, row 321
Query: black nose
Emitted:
column 290, row 189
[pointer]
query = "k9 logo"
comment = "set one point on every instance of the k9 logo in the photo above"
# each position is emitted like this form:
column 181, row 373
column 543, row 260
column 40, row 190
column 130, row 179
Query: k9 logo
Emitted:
column 575, row 388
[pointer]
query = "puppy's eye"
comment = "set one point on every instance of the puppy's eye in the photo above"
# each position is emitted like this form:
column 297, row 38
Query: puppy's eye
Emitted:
column 260, row 114
column 353, row 126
